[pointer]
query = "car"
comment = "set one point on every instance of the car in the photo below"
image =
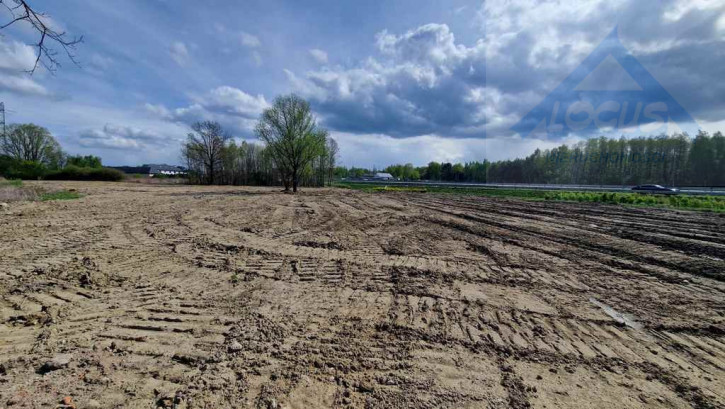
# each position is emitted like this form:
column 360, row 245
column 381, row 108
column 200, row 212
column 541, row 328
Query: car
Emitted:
column 655, row 189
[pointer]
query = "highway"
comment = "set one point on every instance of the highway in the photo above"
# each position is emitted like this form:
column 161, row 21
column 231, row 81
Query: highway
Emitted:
column 715, row 191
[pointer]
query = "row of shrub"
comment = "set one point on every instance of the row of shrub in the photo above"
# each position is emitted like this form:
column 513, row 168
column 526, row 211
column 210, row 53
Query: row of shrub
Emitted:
column 76, row 173
column 28, row 170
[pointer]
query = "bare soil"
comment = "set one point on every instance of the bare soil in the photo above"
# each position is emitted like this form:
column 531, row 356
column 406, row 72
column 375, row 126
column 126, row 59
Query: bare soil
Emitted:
column 176, row 296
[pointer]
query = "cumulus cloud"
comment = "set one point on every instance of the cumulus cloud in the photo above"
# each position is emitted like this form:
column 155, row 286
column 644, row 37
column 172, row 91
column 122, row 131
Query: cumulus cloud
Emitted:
column 123, row 137
column 532, row 46
column 421, row 86
column 15, row 60
column 319, row 55
column 179, row 53
column 425, row 82
column 16, row 56
column 232, row 107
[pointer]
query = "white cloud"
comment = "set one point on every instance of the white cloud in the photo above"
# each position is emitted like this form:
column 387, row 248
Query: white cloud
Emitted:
column 22, row 85
column 420, row 86
column 15, row 56
column 232, row 107
column 249, row 40
column 680, row 8
column 179, row 52
column 122, row 137
column 379, row 150
column 233, row 101
column 319, row 55
column 428, row 45
column 159, row 111
column 16, row 59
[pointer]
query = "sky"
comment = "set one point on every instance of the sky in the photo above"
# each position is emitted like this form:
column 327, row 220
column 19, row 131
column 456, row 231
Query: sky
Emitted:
column 393, row 81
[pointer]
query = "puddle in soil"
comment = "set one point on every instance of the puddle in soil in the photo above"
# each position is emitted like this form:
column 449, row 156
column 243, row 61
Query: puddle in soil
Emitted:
column 625, row 319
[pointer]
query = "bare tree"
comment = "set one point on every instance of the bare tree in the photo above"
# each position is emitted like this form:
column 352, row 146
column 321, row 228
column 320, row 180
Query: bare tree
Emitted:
column 332, row 151
column 292, row 136
column 29, row 142
column 20, row 11
column 204, row 149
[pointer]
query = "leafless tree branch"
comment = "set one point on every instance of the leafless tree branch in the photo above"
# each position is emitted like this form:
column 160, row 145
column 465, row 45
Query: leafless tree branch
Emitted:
column 45, row 55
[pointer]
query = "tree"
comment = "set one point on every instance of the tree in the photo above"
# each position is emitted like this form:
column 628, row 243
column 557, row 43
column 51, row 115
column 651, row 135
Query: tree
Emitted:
column 20, row 11
column 88, row 161
column 204, row 149
column 332, row 151
column 33, row 143
column 434, row 171
column 292, row 136
column 446, row 171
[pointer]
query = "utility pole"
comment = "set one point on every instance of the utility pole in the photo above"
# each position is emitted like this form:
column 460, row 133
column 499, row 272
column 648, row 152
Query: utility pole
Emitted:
column 2, row 116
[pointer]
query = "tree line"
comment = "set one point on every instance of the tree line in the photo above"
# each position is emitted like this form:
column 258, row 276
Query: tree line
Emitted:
column 29, row 151
column 296, row 151
column 676, row 160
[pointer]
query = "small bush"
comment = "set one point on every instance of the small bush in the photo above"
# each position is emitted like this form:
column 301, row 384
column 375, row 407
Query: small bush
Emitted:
column 6, row 162
column 11, row 182
column 91, row 174
column 26, row 170
column 60, row 195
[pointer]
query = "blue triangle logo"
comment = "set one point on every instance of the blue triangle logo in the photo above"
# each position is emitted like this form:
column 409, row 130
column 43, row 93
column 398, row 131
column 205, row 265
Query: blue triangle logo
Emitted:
column 569, row 108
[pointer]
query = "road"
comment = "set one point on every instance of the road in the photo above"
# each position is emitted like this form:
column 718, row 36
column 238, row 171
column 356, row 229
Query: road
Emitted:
column 702, row 190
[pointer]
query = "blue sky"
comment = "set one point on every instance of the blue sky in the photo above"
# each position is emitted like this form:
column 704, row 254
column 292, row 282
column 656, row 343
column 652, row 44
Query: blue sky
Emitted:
column 394, row 81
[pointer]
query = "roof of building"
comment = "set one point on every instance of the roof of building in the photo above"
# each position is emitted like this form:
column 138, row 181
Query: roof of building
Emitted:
column 163, row 168
column 383, row 175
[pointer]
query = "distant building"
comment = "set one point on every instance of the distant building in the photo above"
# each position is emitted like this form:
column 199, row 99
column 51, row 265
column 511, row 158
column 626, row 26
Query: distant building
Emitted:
column 382, row 176
column 373, row 176
column 164, row 170
column 152, row 170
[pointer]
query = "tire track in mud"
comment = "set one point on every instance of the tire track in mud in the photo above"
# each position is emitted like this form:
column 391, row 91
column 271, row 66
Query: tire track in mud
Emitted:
column 582, row 239
column 707, row 238
column 199, row 296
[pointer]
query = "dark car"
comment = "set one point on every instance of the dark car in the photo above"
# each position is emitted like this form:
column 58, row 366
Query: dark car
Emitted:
column 655, row 189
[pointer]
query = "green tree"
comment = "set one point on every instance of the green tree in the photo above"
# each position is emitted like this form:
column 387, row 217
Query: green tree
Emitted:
column 292, row 136
column 31, row 143
column 434, row 171
column 446, row 172
column 701, row 159
column 88, row 161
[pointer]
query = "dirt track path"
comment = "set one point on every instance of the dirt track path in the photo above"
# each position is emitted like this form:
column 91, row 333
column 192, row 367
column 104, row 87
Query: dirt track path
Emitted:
column 238, row 297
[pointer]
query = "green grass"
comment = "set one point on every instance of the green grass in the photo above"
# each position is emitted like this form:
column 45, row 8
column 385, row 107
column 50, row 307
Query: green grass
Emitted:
column 60, row 195
column 706, row 203
column 11, row 182
column 712, row 203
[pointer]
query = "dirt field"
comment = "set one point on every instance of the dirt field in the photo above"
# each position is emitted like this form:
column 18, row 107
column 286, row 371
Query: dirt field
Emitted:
column 177, row 296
